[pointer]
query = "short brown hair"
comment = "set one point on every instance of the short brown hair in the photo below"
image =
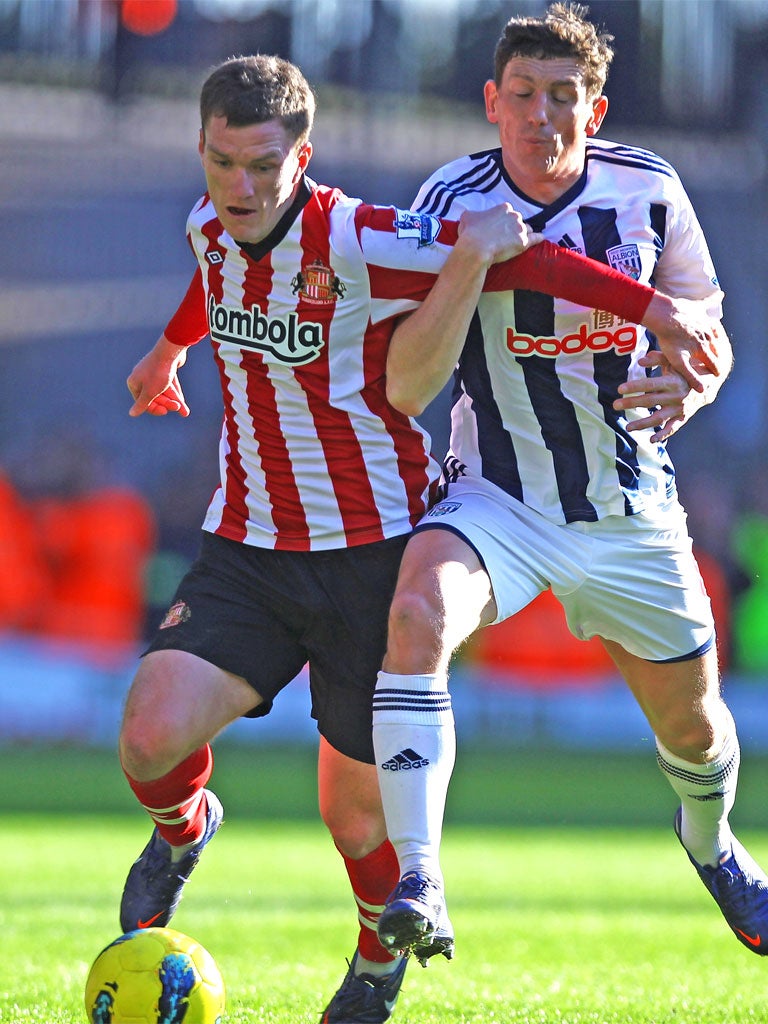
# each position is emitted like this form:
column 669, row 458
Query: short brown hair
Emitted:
column 562, row 32
column 259, row 88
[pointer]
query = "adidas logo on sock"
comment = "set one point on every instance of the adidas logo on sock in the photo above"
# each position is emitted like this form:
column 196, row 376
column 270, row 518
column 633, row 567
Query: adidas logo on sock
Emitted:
column 405, row 761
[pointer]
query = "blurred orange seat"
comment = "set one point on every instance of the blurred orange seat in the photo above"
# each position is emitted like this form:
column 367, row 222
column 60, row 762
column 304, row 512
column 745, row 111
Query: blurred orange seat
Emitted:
column 25, row 580
column 97, row 546
column 536, row 648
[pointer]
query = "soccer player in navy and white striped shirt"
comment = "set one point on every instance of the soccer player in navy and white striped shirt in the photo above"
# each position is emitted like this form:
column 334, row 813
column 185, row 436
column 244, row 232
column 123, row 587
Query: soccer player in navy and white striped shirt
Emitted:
column 557, row 477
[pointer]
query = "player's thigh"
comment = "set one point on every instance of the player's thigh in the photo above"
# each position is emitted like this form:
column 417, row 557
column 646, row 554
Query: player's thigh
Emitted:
column 643, row 589
column 243, row 609
column 510, row 553
column 177, row 702
column 680, row 699
column 443, row 595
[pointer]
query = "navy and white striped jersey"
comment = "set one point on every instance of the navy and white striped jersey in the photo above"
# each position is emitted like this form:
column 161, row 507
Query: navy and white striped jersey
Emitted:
column 533, row 392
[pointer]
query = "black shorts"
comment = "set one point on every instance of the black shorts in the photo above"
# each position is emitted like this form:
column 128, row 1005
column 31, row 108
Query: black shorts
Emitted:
column 264, row 614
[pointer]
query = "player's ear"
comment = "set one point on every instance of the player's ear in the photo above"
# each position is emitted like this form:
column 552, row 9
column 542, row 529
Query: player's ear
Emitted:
column 304, row 155
column 491, row 94
column 599, row 110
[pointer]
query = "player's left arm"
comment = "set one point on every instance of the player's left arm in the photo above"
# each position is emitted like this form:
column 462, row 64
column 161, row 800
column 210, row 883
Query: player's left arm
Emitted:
column 425, row 346
column 685, row 269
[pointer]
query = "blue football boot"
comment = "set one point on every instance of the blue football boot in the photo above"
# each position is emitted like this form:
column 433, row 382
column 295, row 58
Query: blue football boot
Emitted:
column 441, row 942
column 740, row 888
column 364, row 999
column 415, row 920
column 154, row 884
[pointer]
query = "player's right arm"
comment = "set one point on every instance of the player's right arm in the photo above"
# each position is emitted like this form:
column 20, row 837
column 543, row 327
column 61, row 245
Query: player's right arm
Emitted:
column 432, row 337
column 154, row 382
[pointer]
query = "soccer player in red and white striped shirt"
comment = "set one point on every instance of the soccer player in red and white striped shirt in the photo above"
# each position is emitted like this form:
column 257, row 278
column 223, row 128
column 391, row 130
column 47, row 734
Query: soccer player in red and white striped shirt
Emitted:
column 322, row 479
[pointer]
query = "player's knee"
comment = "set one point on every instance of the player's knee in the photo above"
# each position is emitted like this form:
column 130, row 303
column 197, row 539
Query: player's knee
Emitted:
column 145, row 748
column 693, row 738
column 356, row 833
column 415, row 617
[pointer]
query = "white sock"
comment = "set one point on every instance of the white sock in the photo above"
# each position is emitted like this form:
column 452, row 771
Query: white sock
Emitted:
column 375, row 969
column 707, row 793
column 415, row 746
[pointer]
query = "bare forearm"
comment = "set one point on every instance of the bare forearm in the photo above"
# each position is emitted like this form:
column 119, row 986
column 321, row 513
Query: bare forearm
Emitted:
column 694, row 344
column 426, row 345
column 165, row 351
column 724, row 361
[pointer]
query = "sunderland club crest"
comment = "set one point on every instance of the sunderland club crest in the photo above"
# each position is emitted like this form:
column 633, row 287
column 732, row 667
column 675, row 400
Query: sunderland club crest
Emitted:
column 318, row 284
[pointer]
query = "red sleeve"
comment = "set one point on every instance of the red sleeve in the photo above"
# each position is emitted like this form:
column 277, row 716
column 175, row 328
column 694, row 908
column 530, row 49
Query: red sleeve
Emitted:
column 551, row 269
column 190, row 321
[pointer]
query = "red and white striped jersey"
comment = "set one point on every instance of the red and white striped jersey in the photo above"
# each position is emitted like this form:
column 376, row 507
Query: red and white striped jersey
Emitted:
column 312, row 456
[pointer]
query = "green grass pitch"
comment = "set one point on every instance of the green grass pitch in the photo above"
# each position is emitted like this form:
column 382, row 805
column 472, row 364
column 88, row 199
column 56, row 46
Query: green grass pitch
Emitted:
column 570, row 906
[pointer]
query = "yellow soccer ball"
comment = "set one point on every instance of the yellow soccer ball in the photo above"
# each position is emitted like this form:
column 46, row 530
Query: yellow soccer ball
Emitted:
column 154, row 976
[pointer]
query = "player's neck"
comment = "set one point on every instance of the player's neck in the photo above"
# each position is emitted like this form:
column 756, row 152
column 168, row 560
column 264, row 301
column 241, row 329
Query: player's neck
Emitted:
column 544, row 184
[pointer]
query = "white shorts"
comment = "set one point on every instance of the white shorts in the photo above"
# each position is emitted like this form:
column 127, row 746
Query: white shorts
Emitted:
column 631, row 579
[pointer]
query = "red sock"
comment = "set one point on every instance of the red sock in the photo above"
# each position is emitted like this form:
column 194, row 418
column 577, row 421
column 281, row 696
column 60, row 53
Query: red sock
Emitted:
column 176, row 801
column 373, row 878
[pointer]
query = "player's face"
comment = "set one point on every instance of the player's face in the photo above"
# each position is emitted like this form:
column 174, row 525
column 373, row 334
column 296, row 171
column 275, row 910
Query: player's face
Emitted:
column 544, row 118
column 252, row 173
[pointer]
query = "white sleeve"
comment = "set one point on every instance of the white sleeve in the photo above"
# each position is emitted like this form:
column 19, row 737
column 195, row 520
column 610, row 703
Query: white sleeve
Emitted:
column 685, row 268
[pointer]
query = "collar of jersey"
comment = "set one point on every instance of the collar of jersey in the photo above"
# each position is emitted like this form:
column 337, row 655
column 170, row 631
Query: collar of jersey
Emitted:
column 258, row 249
column 537, row 221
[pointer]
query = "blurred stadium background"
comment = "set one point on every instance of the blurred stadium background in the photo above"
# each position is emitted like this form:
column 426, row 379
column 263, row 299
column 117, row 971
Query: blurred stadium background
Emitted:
column 100, row 514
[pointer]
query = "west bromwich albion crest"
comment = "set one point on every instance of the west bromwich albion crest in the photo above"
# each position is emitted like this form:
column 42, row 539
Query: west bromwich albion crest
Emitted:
column 318, row 284
column 625, row 259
